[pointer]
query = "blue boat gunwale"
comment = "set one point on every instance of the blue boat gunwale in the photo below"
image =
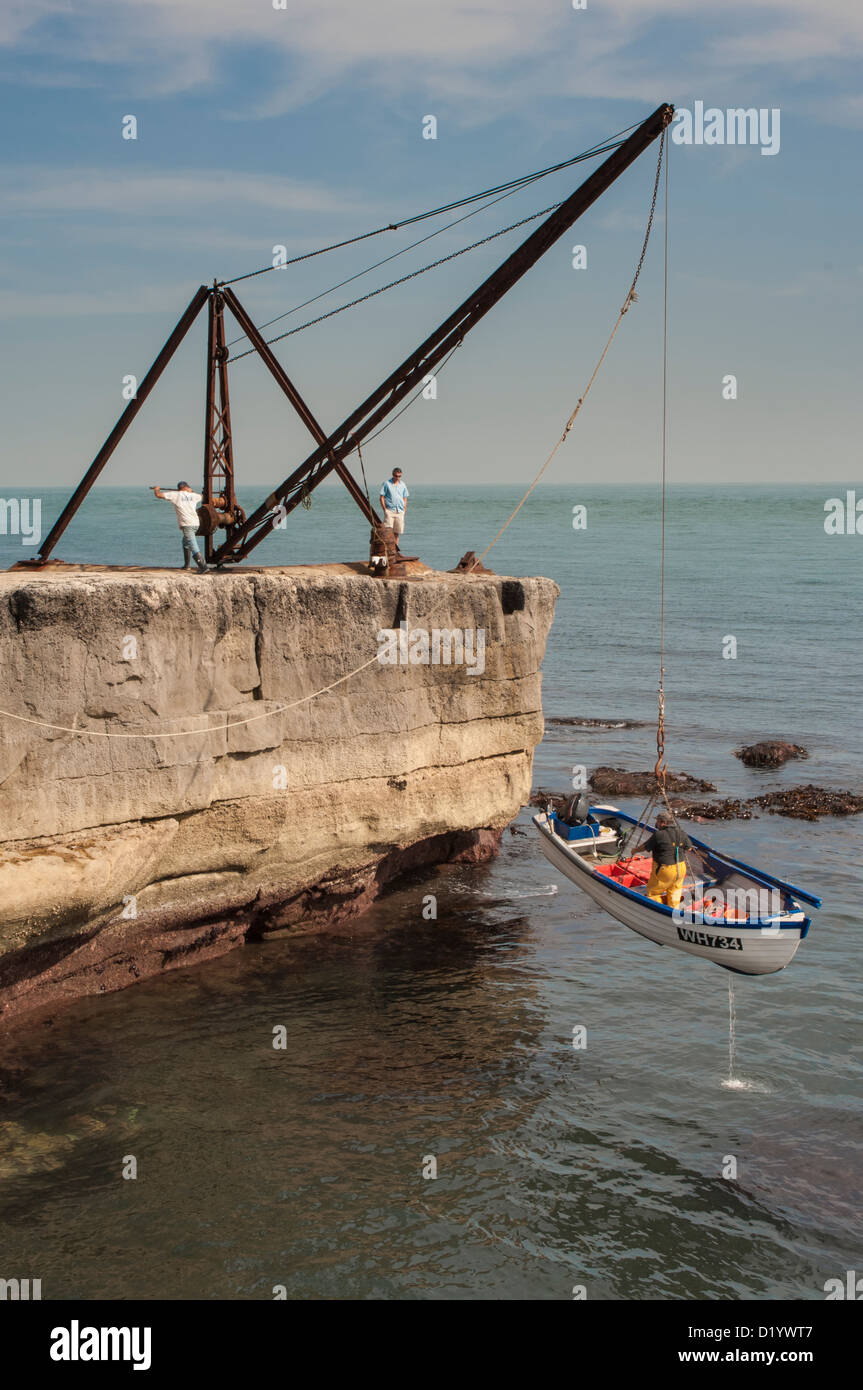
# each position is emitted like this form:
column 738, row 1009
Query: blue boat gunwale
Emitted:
column 726, row 859
column 767, row 924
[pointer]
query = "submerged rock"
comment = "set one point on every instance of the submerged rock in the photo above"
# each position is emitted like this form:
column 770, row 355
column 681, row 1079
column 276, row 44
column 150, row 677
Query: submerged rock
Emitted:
column 810, row 802
column 726, row 809
column 770, row 753
column 800, row 803
column 542, row 797
column 575, row 721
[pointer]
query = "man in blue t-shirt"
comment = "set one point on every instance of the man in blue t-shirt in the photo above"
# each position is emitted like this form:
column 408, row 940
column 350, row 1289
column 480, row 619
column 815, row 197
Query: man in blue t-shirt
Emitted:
column 394, row 502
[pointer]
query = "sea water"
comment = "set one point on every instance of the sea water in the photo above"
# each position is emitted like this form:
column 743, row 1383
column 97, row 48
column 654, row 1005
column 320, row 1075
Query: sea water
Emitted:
column 411, row 1039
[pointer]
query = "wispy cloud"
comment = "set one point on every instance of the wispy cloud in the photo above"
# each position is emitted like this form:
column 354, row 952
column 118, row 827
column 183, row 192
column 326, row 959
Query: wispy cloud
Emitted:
column 458, row 49
column 159, row 193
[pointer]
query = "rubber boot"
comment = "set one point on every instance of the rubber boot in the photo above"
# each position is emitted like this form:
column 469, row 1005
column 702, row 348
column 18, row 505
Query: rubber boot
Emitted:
column 202, row 564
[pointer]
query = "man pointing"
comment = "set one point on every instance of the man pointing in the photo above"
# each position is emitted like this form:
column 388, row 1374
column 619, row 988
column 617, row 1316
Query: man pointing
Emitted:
column 186, row 503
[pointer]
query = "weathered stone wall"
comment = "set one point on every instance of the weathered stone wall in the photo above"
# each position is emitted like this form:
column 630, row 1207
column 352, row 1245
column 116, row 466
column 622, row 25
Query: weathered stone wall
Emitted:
column 287, row 820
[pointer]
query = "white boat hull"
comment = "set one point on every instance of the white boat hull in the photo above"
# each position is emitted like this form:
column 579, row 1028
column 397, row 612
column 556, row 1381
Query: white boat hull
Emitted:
column 748, row 950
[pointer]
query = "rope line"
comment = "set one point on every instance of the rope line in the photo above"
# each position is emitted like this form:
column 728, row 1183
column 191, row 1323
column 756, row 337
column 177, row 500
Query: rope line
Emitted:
column 187, row 733
column 523, row 181
column 365, row 479
column 415, row 396
column 660, row 791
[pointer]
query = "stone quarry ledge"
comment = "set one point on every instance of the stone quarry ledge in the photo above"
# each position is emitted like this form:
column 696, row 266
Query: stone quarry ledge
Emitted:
column 213, row 814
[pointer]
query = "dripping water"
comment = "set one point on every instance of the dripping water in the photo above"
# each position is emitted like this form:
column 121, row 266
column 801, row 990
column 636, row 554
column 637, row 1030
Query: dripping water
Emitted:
column 733, row 1083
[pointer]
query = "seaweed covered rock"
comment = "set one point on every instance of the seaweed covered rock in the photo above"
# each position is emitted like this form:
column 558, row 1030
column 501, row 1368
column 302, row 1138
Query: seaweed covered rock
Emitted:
column 726, row 809
column 614, row 781
column 770, row 753
column 809, row 802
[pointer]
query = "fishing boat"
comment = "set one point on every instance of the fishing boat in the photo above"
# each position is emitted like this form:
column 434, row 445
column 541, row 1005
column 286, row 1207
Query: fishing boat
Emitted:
column 731, row 913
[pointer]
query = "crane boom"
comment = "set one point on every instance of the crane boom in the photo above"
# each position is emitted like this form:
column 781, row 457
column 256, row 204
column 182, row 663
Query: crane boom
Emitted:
column 332, row 451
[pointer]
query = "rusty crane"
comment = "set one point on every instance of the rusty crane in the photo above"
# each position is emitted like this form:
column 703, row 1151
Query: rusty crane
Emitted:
column 220, row 510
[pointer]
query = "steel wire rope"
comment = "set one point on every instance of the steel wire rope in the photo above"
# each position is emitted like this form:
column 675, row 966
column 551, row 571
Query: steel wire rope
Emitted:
column 305, row 699
column 523, row 181
column 412, row 275
column 631, row 298
column 369, row 268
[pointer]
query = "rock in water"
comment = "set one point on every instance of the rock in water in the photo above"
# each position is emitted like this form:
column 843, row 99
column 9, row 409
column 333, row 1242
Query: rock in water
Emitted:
column 614, row 781
column 770, row 753
column 809, row 802
column 726, row 809
column 577, row 722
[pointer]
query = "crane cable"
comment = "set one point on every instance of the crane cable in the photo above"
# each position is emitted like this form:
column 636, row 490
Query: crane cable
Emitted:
column 661, row 768
column 523, row 181
column 660, row 771
column 631, row 298
column 374, row 266
column 412, row 275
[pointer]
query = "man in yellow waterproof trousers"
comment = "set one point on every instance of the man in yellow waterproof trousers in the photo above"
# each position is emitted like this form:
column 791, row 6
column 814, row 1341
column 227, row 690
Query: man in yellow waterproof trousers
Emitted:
column 668, row 845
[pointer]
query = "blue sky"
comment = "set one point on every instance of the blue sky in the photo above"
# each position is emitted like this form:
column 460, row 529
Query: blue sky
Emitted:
column 259, row 126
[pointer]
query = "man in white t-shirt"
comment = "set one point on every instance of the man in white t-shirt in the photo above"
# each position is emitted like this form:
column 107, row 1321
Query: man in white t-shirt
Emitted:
column 186, row 504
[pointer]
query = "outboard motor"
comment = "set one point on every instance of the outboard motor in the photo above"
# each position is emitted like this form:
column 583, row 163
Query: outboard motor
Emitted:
column 576, row 810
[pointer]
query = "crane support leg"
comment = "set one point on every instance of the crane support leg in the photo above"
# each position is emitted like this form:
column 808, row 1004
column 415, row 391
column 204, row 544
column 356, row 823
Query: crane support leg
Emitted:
column 125, row 420
column 274, row 366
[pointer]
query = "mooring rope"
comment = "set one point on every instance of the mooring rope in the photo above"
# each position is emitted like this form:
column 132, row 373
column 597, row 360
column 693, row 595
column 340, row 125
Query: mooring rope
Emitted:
column 189, row 733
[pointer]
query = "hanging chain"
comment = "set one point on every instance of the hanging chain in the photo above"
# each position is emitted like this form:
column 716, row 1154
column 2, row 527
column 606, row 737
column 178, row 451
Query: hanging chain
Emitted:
column 661, row 769
column 632, row 296
column 365, row 480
